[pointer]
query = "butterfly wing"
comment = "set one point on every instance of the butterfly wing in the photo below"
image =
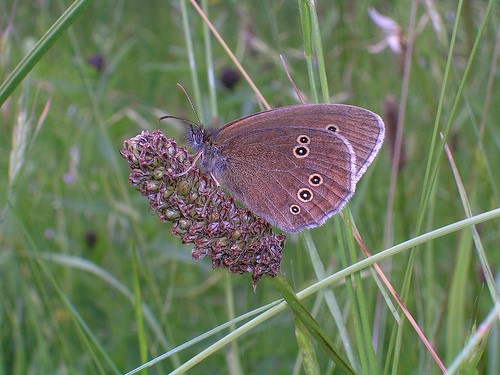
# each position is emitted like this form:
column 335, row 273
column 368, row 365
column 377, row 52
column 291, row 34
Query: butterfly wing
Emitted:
column 363, row 129
column 294, row 176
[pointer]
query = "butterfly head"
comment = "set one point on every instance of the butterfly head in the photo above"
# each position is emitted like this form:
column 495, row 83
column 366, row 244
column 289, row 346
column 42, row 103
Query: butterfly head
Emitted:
column 201, row 138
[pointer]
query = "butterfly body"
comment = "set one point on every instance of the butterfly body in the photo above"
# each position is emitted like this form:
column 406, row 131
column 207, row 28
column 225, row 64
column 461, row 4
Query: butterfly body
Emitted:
column 294, row 166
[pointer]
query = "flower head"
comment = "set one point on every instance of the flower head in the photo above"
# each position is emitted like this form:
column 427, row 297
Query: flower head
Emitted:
column 201, row 213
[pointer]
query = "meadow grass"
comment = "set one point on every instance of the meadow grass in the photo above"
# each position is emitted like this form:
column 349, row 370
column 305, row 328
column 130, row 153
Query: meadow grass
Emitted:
column 92, row 282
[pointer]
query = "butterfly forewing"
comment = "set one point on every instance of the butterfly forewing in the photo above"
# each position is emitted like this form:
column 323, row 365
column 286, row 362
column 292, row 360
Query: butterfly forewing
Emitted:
column 363, row 129
column 295, row 177
column 294, row 166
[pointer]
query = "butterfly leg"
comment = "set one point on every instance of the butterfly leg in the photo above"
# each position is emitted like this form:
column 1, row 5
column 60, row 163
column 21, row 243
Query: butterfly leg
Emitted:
column 213, row 177
column 209, row 198
column 190, row 167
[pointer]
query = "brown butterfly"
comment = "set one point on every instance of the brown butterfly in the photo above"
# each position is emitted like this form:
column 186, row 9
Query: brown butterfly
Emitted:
column 294, row 166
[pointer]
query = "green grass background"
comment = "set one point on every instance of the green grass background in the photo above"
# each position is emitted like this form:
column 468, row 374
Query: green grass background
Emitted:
column 92, row 282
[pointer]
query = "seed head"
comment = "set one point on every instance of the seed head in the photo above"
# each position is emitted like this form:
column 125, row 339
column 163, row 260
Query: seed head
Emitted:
column 200, row 211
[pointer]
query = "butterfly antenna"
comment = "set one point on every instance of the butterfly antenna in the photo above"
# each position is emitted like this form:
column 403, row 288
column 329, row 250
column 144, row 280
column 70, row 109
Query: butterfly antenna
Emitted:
column 189, row 122
column 191, row 103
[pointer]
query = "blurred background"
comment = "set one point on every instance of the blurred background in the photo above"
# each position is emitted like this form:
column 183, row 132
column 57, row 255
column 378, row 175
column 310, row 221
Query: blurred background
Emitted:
column 78, row 246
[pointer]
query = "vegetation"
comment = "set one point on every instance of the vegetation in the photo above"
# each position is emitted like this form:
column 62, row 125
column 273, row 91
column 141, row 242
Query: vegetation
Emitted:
column 92, row 282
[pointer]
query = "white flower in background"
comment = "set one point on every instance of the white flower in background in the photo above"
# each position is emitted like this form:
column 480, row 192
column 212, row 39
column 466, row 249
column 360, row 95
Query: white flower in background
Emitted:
column 392, row 33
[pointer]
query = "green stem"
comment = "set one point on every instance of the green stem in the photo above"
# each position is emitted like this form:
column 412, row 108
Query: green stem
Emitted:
column 40, row 48
column 310, row 323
